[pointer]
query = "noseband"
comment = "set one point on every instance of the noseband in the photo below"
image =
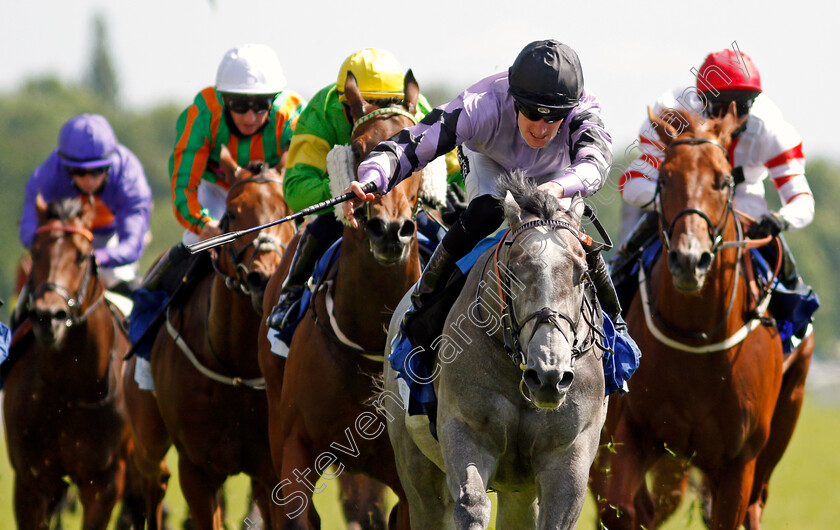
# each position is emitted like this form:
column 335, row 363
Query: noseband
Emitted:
column 264, row 242
column 379, row 112
column 715, row 232
column 512, row 328
column 73, row 301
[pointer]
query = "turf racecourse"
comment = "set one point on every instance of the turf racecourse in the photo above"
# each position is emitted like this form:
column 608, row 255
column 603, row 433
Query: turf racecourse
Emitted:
column 803, row 492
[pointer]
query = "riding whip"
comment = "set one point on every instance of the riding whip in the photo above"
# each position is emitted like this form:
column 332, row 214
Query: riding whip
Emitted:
column 222, row 239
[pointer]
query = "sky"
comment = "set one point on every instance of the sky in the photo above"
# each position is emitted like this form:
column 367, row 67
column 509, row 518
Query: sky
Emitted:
column 167, row 50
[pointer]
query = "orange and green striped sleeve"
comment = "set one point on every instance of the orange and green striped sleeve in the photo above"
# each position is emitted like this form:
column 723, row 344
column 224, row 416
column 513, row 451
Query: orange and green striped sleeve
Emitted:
column 195, row 138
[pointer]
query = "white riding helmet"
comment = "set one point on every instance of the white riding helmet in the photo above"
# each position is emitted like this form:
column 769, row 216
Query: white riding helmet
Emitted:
column 250, row 69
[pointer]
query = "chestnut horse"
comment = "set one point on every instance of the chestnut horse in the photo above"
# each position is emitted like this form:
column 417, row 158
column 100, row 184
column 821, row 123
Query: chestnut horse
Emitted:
column 63, row 408
column 319, row 397
column 713, row 387
column 210, row 394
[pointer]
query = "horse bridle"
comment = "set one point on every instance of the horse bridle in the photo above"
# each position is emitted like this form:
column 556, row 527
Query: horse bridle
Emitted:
column 380, row 112
column 715, row 234
column 264, row 242
column 715, row 231
column 74, row 302
column 390, row 110
column 512, row 328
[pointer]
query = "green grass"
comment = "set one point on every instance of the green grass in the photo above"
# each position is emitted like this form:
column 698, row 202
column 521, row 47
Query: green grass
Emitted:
column 803, row 492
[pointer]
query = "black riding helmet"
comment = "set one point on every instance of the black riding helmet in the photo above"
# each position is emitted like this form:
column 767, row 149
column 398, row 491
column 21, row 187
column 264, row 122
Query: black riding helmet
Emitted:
column 546, row 80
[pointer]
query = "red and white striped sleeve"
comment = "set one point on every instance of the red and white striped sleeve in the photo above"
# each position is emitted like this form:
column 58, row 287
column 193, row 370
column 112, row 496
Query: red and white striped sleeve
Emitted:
column 785, row 162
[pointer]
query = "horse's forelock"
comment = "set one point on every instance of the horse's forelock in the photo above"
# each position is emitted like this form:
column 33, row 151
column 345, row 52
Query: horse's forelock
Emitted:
column 388, row 102
column 255, row 167
column 524, row 190
column 64, row 209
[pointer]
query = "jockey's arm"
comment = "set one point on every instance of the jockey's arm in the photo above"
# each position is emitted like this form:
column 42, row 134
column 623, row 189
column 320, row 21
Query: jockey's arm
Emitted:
column 187, row 167
column 131, row 214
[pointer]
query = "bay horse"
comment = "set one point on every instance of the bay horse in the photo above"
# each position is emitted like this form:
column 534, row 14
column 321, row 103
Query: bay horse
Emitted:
column 519, row 381
column 209, row 396
column 319, row 393
column 713, row 388
column 64, row 405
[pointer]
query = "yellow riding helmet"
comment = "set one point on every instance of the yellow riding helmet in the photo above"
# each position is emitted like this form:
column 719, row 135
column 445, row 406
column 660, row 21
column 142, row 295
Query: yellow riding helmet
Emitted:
column 377, row 72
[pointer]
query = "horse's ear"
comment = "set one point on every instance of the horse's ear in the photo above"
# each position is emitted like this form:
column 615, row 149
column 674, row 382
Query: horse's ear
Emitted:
column 412, row 91
column 41, row 209
column 728, row 124
column 354, row 97
column 663, row 128
column 228, row 165
column 512, row 211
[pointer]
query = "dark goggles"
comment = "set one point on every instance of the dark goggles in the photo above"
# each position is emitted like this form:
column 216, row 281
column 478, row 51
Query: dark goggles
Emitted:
column 241, row 105
column 82, row 171
column 718, row 106
column 534, row 114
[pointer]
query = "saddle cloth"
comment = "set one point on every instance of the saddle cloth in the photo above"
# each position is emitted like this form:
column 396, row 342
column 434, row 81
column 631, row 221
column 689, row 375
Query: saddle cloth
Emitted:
column 793, row 309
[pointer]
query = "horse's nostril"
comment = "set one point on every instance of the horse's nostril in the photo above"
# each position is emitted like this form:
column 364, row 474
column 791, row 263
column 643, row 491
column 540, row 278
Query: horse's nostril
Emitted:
column 566, row 380
column 705, row 261
column 256, row 280
column 407, row 228
column 532, row 379
column 375, row 228
column 673, row 259
column 61, row 314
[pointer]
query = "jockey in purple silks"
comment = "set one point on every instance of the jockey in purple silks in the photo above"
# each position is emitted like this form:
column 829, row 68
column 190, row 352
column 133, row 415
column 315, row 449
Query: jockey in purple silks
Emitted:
column 537, row 119
column 91, row 164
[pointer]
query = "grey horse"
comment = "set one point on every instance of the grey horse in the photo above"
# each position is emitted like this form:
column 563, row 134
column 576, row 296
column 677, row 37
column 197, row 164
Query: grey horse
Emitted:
column 527, row 429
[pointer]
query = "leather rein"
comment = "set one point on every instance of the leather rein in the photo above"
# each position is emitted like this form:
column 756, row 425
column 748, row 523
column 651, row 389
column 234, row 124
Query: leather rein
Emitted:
column 718, row 243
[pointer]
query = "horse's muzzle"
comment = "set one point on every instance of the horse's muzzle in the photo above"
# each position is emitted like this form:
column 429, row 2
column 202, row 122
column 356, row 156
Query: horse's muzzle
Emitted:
column 389, row 241
column 548, row 387
column 688, row 264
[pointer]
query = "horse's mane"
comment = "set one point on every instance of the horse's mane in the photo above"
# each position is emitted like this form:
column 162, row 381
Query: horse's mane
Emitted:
column 64, row 209
column 524, row 191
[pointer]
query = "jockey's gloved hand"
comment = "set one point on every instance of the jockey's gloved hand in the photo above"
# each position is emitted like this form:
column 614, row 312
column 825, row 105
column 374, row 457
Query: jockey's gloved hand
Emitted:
column 456, row 203
column 769, row 224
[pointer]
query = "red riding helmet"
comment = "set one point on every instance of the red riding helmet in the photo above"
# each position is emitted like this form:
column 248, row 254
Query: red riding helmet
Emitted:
column 720, row 71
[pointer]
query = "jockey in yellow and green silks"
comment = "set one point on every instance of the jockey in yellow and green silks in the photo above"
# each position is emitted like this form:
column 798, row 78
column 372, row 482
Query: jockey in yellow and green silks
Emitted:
column 324, row 124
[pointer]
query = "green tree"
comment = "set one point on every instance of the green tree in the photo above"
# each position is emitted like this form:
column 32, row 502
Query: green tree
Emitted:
column 102, row 78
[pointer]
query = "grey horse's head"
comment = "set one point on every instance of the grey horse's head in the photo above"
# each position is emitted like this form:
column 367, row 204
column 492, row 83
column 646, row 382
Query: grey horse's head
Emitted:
column 547, row 258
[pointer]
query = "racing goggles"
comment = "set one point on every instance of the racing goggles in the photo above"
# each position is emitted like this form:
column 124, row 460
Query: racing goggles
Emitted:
column 718, row 106
column 241, row 105
column 535, row 113
column 82, row 171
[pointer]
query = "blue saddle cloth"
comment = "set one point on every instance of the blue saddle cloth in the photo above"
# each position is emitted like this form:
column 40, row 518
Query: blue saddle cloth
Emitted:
column 792, row 310
column 5, row 343
column 147, row 305
column 297, row 312
column 417, row 367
